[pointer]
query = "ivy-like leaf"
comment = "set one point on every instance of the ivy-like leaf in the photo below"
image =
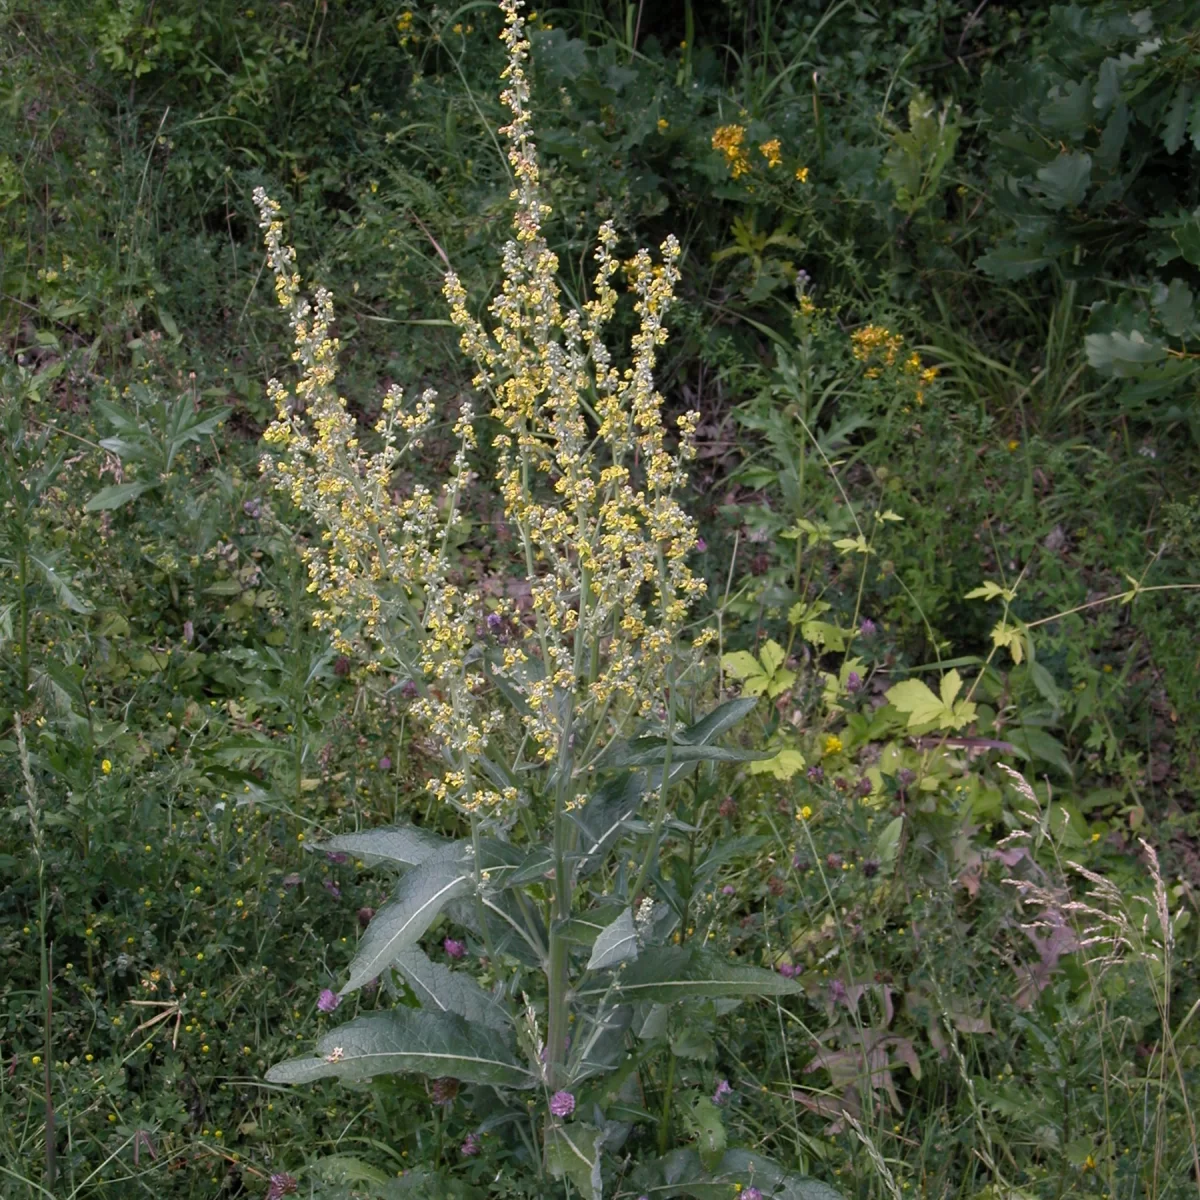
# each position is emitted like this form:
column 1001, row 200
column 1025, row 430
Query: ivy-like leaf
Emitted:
column 409, row 1040
column 783, row 766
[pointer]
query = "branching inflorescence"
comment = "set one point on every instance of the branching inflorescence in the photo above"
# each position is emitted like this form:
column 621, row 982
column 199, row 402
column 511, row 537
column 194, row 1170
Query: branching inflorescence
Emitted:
column 584, row 469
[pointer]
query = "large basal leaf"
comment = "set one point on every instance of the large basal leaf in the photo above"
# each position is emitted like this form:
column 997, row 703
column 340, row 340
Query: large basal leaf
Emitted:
column 670, row 973
column 615, row 943
column 420, row 896
column 682, row 1174
column 406, row 1040
column 441, row 989
column 652, row 752
column 574, row 1151
column 405, row 845
column 511, row 928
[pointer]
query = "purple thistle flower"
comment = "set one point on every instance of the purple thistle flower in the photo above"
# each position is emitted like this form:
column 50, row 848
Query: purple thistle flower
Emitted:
column 562, row 1104
column 495, row 622
column 337, row 858
column 867, row 628
column 282, row 1185
column 750, row 1193
column 723, row 1092
column 701, row 545
column 454, row 949
column 332, row 888
column 328, row 1000
column 728, row 890
column 853, row 682
column 470, row 1146
column 816, row 774
column 788, row 971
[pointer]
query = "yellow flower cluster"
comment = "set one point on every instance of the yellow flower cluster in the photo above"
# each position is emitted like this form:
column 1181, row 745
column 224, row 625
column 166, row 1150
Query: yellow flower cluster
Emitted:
column 586, row 470
column 771, row 152
column 878, row 347
column 728, row 140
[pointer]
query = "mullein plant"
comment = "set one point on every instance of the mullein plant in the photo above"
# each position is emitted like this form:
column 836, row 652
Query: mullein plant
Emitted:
column 558, row 723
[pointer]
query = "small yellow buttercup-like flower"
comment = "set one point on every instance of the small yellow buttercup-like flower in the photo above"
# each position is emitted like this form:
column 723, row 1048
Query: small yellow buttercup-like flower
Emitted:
column 106, row 766
column 833, row 744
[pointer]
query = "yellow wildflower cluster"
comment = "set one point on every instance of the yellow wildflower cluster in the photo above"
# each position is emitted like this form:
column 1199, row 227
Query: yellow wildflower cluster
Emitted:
column 586, row 470
column 771, row 152
column 878, row 347
column 728, row 140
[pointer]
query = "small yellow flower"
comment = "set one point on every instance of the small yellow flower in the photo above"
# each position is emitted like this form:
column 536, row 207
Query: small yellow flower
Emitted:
column 106, row 766
column 802, row 174
column 770, row 151
column 806, row 812
column 37, row 1060
column 1095, row 837
column 1013, row 444
column 833, row 744
column 663, row 124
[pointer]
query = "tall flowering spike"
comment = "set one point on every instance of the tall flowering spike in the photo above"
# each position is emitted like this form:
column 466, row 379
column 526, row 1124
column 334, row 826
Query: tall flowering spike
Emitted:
column 586, row 469
column 590, row 483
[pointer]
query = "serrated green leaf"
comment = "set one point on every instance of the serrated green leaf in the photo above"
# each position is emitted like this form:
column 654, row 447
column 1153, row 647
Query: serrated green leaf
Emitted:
column 915, row 699
column 615, row 943
column 783, row 766
column 1121, row 353
column 741, row 664
column 1176, row 117
column 771, row 656
column 1065, row 181
column 420, row 896
column 408, row 1040
column 1012, row 262
column 950, row 687
column 403, row 844
column 439, row 988
column 1174, row 305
